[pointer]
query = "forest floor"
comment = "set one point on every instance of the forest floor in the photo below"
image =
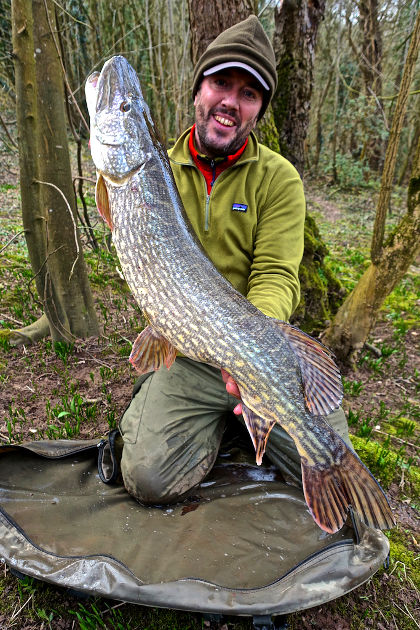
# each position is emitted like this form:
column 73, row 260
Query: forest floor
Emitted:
column 80, row 391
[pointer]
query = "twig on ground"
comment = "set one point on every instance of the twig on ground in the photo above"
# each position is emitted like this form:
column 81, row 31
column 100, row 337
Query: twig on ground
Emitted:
column 401, row 484
column 400, row 386
column 91, row 358
column 395, row 623
column 397, row 438
column 113, row 607
column 403, row 565
column 15, row 614
column 376, row 351
column 12, row 319
column 407, row 613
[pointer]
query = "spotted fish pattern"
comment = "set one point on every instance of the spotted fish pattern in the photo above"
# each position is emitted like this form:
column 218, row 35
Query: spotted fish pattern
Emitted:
column 284, row 376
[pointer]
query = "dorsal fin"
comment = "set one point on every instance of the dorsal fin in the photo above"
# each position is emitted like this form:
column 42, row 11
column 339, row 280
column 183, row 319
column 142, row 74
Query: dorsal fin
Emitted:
column 102, row 201
column 320, row 375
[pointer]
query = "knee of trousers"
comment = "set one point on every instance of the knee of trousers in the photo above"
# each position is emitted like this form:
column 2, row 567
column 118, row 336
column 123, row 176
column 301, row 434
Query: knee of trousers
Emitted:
column 146, row 484
column 159, row 481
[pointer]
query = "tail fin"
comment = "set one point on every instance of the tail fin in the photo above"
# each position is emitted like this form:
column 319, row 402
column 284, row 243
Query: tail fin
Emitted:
column 329, row 492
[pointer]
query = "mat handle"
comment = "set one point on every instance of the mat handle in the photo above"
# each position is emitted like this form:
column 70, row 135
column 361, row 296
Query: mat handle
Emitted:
column 266, row 622
column 108, row 466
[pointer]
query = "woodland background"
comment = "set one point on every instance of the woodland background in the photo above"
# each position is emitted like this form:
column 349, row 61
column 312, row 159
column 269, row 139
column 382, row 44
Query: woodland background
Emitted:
column 344, row 68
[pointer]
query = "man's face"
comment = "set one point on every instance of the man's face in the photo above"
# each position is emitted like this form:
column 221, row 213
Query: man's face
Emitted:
column 226, row 111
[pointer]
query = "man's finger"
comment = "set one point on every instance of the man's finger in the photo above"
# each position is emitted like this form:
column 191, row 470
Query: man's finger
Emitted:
column 225, row 375
column 232, row 388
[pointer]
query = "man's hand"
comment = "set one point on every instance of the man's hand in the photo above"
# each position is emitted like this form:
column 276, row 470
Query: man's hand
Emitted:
column 232, row 388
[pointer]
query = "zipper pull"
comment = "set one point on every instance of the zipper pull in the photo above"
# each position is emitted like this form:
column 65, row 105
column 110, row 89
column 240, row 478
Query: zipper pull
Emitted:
column 213, row 167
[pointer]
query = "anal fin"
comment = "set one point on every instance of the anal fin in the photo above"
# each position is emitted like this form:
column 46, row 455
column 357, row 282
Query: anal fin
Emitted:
column 151, row 351
column 259, row 430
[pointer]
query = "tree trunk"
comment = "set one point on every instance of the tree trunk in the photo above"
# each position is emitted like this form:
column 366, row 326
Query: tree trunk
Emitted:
column 335, row 116
column 390, row 261
column 296, row 29
column 48, row 201
column 408, row 160
column 371, row 58
column 371, row 68
column 208, row 19
column 393, row 142
column 318, row 119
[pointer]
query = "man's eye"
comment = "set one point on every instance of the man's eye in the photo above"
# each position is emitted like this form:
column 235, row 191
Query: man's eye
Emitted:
column 250, row 94
column 125, row 106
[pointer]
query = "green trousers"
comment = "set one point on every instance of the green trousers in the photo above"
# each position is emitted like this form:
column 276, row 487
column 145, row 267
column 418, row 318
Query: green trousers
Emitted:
column 173, row 427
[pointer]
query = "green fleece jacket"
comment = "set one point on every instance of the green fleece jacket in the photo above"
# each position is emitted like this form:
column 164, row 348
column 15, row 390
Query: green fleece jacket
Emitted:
column 251, row 225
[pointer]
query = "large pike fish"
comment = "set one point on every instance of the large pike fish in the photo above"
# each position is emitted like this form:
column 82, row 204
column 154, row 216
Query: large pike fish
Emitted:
column 283, row 375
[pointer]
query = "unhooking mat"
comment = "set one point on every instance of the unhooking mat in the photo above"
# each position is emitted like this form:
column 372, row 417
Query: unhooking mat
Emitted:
column 244, row 544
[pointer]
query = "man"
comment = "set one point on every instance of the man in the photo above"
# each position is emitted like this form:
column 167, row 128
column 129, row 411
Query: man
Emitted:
column 247, row 207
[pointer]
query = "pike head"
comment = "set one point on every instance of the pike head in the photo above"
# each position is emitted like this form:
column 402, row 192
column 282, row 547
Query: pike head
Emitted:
column 122, row 134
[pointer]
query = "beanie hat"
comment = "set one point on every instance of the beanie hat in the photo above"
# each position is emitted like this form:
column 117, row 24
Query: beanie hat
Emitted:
column 244, row 45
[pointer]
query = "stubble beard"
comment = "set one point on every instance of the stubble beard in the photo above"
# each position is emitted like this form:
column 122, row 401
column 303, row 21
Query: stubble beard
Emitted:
column 215, row 149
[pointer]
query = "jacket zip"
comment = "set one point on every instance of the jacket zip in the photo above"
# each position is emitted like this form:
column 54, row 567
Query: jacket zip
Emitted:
column 207, row 207
column 208, row 195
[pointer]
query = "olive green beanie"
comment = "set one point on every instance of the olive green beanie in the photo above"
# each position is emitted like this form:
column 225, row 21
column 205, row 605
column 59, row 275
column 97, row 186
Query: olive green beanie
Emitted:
column 246, row 43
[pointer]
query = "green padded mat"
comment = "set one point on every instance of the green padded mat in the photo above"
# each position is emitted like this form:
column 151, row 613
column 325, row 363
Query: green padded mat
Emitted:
column 244, row 544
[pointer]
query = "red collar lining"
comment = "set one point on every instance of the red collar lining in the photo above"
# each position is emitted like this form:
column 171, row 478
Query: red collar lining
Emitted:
column 209, row 168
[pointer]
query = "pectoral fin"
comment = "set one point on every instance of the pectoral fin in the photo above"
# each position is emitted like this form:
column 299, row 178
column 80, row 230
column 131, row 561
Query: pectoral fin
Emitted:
column 321, row 379
column 102, row 201
column 150, row 351
column 259, row 430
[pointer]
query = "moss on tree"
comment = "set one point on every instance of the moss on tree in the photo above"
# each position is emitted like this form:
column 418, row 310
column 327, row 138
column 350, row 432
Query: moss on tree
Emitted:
column 321, row 291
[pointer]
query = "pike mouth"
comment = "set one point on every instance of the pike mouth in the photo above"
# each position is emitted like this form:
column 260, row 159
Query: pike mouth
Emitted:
column 122, row 179
column 111, row 143
column 107, row 139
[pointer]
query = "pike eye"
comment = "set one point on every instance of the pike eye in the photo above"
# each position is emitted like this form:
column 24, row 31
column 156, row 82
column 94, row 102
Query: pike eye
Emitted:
column 125, row 106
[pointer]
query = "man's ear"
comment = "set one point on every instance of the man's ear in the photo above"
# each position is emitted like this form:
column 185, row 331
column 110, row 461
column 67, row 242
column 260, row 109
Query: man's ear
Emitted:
column 256, row 119
column 198, row 92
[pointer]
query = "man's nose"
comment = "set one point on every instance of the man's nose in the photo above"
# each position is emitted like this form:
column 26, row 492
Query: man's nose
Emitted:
column 231, row 99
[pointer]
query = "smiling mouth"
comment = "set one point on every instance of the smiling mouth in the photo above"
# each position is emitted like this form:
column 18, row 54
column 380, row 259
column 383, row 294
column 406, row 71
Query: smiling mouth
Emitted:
column 224, row 121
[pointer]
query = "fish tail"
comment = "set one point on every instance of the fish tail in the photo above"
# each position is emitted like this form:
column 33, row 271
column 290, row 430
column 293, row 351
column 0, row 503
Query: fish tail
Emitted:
column 330, row 492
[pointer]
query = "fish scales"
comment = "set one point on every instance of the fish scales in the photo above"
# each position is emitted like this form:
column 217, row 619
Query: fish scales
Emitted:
column 186, row 287
column 283, row 375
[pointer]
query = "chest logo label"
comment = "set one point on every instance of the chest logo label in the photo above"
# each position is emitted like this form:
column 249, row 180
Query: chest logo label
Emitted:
column 239, row 207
